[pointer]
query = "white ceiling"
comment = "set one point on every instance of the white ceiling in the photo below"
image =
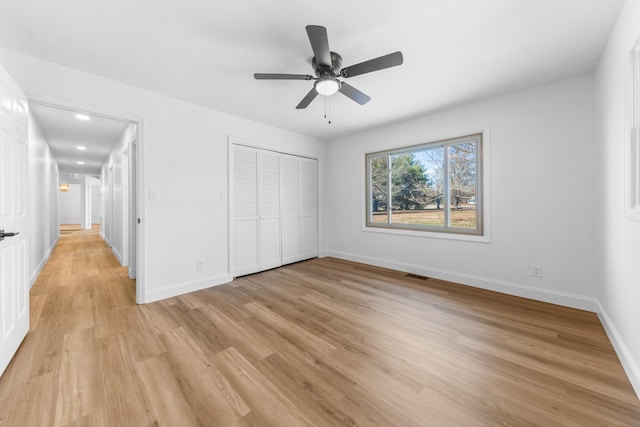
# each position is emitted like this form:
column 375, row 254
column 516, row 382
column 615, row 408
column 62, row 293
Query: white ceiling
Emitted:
column 65, row 132
column 205, row 52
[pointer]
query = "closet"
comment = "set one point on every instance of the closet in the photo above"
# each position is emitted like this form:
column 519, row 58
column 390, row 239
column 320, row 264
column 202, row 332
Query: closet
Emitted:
column 274, row 209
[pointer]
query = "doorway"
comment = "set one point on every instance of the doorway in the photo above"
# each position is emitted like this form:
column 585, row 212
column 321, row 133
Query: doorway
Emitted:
column 97, row 154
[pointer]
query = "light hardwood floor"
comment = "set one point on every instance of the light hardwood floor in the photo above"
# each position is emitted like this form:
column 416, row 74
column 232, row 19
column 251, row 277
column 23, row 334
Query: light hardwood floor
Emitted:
column 324, row 342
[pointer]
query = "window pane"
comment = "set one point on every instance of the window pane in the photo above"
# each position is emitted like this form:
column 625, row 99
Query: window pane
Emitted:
column 417, row 182
column 379, row 183
column 463, row 169
column 428, row 187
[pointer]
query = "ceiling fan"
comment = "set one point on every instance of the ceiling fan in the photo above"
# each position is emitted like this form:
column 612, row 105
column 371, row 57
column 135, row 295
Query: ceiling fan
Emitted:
column 327, row 66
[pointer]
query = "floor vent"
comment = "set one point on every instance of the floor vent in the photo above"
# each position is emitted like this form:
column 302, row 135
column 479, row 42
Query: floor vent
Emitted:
column 416, row 276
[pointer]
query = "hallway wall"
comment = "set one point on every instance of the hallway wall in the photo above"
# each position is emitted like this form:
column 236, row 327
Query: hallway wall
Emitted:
column 71, row 205
column 42, row 205
column 96, row 209
column 117, row 215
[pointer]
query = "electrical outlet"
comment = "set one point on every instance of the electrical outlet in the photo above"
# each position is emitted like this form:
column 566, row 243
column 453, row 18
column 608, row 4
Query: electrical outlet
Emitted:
column 200, row 264
column 536, row 270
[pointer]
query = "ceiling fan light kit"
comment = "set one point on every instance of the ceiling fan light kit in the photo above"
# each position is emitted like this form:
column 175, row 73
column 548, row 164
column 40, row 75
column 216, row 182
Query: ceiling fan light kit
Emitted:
column 327, row 86
column 327, row 66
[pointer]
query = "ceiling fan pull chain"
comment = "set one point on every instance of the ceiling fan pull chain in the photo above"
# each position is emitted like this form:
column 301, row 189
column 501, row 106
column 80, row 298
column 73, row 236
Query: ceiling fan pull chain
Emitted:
column 329, row 109
column 325, row 107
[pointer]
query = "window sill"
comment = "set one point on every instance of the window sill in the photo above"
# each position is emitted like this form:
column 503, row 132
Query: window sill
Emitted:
column 429, row 234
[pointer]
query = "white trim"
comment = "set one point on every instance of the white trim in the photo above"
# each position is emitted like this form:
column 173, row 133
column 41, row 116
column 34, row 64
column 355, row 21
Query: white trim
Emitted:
column 632, row 125
column 525, row 291
column 41, row 264
column 118, row 255
column 428, row 234
column 240, row 141
column 104, row 237
column 141, row 252
column 141, row 210
column 626, row 359
column 186, row 287
column 230, row 223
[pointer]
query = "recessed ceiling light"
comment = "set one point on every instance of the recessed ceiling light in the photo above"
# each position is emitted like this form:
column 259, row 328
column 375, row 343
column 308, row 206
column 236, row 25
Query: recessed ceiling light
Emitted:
column 80, row 147
column 82, row 117
column 80, row 163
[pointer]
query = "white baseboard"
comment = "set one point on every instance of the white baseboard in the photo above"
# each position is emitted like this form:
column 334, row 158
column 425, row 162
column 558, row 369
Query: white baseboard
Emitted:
column 118, row 255
column 183, row 288
column 105, row 238
column 628, row 362
column 41, row 264
column 545, row 295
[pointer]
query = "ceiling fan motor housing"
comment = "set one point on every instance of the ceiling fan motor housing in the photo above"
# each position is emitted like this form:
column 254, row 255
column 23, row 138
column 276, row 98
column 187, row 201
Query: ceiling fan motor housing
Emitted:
column 333, row 70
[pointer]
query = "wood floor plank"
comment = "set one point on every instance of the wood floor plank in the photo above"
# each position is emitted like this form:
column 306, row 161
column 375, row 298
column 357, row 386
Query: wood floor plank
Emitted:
column 169, row 403
column 290, row 331
column 210, row 395
column 307, row 389
column 79, row 387
column 324, row 342
column 260, row 394
column 251, row 344
column 123, row 393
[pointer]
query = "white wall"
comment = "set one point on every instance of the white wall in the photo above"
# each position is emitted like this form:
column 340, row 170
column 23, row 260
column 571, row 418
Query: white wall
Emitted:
column 117, row 215
column 184, row 157
column 71, row 205
column 542, row 166
column 42, row 200
column 95, row 204
column 618, row 237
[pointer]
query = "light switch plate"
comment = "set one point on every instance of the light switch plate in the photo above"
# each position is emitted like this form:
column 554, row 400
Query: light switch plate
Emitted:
column 154, row 194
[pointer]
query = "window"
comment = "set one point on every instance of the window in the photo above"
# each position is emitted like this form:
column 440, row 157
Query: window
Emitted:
column 428, row 187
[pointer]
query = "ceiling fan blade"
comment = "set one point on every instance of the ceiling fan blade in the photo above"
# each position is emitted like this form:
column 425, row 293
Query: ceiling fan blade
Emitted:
column 386, row 61
column 307, row 99
column 353, row 93
column 319, row 44
column 269, row 76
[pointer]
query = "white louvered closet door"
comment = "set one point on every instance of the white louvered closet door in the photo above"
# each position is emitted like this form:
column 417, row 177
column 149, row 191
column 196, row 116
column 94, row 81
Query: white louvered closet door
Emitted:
column 269, row 201
column 308, row 208
column 245, row 210
column 275, row 209
column 290, row 209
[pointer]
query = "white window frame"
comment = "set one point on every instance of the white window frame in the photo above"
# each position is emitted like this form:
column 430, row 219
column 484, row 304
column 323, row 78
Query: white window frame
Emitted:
column 479, row 234
column 632, row 179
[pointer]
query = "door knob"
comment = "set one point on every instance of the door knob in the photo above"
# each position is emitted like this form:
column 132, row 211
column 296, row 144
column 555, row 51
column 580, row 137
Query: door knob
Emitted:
column 3, row 234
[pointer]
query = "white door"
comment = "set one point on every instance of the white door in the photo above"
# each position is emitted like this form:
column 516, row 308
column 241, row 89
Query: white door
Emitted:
column 290, row 209
column 245, row 210
column 14, row 285
column 269, row 202
column 308, row 208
